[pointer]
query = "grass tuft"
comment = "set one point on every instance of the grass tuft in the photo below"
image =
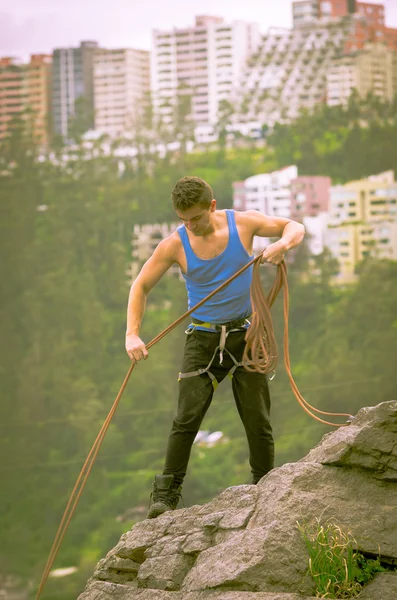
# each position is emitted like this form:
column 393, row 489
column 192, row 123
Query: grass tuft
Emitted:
column 337, row 568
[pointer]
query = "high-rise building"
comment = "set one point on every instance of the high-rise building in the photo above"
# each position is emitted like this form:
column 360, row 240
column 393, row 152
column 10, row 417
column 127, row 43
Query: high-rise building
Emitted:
column 368, row 23
column 268, row 193
column 373, row 69
column 309, row 196
column 12, row 91
column 306, row 11
column 39, row 74
column 72, row 81
column 25, row 90
column 362, row 222
column 287, row 73
column 121, row 82
column 200, row 65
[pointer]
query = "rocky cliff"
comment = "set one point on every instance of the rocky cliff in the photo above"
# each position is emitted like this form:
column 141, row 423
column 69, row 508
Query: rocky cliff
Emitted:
column 245, row 545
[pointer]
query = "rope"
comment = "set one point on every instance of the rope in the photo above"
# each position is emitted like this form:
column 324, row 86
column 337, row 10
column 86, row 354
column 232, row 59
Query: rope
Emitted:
column 260, row 352
column 260, row 355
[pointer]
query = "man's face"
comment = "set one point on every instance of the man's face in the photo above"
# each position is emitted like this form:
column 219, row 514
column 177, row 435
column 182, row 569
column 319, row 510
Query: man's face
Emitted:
column 198, row 218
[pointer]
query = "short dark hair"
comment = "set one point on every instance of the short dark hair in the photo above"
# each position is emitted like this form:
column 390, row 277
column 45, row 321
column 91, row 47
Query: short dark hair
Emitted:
column 190, row 191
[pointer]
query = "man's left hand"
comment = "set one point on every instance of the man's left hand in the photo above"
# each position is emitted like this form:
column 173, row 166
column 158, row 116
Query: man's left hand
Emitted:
column 274, row 253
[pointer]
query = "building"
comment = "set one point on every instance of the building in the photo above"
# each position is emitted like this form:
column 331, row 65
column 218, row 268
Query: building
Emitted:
column 269, row 193
column 145, row 239
column 284, row 194
column 352, row 243
column 369, row 26
column 287, row 72
column 39, row 76
column 12, row 91
column 310, row 11
column 121, row 83
column 365, row 201
column 25, row 90
column 310, row 206
column 309, row 196
column 316, row 232
column 370, row 70
column 72, row 81
column 305, row 12
column 362, row 222
column 195, row 68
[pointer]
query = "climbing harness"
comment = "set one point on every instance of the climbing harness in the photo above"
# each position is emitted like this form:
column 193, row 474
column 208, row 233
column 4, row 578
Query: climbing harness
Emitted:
column 224, row 329
column 260, row 355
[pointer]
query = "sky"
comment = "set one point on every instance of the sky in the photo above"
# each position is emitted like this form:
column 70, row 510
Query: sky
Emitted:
column 32, row 27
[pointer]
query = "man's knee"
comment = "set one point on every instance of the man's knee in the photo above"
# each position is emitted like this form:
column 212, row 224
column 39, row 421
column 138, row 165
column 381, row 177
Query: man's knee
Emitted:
column 187, row 423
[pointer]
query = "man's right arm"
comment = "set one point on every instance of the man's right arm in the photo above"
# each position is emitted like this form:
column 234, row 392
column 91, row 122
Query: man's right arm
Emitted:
column 158, row 264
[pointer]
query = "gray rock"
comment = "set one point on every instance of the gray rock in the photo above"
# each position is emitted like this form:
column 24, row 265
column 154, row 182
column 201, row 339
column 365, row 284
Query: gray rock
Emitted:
column 247, row 561
column 115, row 569
column 106, row 591
column 370, row 442
column 197, row 542
column 245, row 544
column 165, row 572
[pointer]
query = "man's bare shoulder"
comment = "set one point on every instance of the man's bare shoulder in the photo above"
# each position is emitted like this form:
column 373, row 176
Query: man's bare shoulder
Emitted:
column 260, row 224
column 170, row 246
column 247, row 217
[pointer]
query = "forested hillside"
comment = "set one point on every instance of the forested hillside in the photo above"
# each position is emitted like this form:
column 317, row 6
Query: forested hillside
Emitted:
column 65, row 233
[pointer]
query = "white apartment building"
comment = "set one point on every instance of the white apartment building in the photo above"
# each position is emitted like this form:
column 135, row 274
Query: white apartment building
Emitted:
column 373, row 69
column 362, row 222
column 288, row 72
column 306, row 11
column 316, row 232
column 269, row 193
column 121, row 81
column 204, row 62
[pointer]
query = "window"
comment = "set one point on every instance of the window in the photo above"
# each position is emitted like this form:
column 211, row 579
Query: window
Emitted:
column 326, row 8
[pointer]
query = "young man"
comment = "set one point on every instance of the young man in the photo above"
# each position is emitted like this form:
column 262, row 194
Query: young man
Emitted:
column 209, row 247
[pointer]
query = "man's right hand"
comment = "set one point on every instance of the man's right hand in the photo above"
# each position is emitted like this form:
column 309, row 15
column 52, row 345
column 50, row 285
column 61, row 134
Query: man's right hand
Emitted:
column 135, row 348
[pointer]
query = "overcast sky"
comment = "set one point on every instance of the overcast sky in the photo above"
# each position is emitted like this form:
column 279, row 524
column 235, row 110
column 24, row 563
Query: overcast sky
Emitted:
column 29, row 26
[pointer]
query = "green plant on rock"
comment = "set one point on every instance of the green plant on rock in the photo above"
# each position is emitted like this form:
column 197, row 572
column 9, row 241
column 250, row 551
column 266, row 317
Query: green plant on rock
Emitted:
column 337, row 568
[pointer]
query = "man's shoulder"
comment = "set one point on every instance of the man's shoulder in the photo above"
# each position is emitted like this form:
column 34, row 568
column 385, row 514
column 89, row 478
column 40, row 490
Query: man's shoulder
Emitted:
column 245, row 218
column 170, row 245
column 240, row 216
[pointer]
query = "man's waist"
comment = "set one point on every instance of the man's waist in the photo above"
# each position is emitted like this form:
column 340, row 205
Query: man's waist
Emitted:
column 241, row 323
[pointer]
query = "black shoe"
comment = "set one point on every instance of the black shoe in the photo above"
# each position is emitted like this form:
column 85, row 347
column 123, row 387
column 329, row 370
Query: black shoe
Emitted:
column 165, row 495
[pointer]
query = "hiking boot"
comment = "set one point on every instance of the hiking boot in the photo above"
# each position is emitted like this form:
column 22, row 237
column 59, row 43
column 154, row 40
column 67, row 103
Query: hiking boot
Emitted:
column 165, row 495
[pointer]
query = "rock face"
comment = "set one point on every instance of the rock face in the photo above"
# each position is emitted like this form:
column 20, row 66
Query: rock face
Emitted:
column 245, row 545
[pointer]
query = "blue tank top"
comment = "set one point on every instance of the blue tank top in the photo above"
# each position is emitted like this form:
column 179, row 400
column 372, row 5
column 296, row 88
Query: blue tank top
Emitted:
column 205, row 275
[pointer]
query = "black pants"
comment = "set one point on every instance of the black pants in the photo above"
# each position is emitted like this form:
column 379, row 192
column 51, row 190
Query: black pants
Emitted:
column 251, row 394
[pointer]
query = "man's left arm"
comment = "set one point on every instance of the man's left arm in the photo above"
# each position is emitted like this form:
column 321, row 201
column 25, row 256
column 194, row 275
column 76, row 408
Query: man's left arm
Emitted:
column 291, row 234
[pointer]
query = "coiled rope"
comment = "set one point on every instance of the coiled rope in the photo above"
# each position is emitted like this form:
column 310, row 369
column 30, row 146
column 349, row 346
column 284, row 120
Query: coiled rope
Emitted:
column 260, row 355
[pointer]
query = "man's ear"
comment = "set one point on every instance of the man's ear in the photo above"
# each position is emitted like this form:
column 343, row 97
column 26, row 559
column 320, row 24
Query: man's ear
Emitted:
column 213, row 205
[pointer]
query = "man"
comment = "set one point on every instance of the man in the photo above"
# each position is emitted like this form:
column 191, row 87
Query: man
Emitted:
column 209, row 247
